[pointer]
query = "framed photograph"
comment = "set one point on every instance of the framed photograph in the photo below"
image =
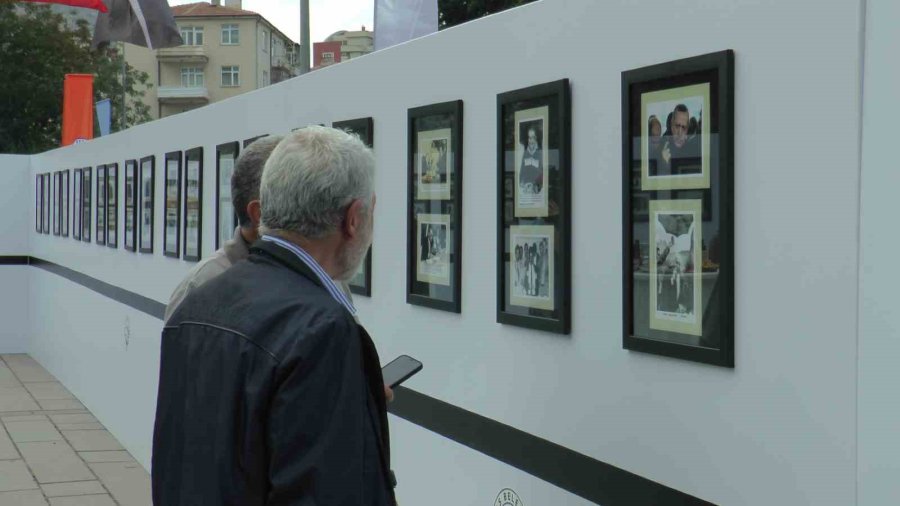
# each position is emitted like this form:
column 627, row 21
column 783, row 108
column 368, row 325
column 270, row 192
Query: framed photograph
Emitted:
column 361, row 282
column 86, row 186
column 534, row 207
column 249, row 141
column 101, row 204
column 193, row 203
column 131, row 197
column 37, row 204
column 434, row 216
column 226, row 219
column 57, row 208
column 172, row 208
column 76, row 205
column 48, row 192
column 678, row 209
column 64, row 197
column 112, row 205
column 146, row 203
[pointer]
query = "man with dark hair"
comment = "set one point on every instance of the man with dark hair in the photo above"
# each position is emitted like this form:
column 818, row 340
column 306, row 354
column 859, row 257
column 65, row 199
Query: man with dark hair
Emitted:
column 681, row 152
column 531, row 173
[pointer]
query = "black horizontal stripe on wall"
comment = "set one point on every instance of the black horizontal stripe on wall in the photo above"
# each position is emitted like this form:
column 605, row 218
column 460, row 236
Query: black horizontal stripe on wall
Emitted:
column 567, row 469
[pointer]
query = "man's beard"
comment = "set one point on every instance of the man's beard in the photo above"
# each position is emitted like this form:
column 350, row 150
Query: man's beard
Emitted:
column 350, row 258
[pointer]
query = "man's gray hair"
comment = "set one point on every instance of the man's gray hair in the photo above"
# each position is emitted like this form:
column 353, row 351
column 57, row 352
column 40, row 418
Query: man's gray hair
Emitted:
column 247, row 173
column 311, row 178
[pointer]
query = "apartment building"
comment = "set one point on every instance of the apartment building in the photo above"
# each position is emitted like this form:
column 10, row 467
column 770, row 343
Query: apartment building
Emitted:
column 341, row 46
column 227, row 51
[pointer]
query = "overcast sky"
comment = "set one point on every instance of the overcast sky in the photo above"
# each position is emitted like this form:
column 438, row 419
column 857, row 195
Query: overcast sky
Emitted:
column 325, row 16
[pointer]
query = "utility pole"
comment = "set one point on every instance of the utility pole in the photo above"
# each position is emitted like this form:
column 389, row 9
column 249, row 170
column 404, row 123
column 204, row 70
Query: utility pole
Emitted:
column 304, row 36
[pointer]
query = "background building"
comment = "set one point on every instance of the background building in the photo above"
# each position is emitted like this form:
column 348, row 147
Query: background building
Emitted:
column 342, row 46
column 227, row 51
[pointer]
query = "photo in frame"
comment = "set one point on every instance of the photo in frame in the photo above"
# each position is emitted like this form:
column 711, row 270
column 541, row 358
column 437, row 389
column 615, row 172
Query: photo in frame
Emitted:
column 38, row 225
column 86, row 186
column 534, row 207
column 678, row 209
column 145, row 203
column 172, row 205
column 361, row 282
column 64, row 197
column 112, row 205
column 247, row 142
column 57, row 209
column 193, row 203
column 434, row 215
column 131, row 197
column 77, row 204
column 101, row 205
column 226, row 217
column 48, row 192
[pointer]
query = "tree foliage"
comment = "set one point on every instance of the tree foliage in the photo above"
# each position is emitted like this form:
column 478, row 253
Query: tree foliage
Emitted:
column 38, row 47
column 454, row 12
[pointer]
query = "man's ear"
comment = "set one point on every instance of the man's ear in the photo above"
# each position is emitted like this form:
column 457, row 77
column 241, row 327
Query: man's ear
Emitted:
column 254, row 210
column 353, row 219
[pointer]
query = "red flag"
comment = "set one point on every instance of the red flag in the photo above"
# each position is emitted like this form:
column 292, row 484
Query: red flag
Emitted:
column 88, row 4
column 78, row 108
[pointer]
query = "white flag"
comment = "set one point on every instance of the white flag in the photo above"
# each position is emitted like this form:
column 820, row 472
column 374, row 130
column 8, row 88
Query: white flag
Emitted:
column 397, row 21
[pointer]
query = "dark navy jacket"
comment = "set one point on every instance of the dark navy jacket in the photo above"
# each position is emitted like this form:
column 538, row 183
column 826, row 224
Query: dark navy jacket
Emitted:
column 269, row 394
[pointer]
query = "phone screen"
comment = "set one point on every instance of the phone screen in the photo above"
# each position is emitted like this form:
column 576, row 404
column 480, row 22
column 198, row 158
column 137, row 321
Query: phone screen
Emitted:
column 399, row 370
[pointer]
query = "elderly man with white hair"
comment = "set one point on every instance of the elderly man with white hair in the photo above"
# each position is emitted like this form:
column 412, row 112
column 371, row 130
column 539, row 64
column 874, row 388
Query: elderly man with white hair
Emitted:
column 269, row 392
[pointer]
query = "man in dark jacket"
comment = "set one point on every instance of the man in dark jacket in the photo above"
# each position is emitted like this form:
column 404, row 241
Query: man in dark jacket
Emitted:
column 269, row 392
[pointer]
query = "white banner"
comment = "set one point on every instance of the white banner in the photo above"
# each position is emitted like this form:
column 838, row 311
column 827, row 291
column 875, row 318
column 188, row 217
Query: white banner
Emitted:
column 397, row 21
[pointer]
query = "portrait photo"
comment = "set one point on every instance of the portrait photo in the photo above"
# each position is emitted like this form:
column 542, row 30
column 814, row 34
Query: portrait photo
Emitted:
column 145, row 205
column 531, row 249
column 433, row 164
column 676, row 266
column 172, row 200
column 101, row 204
column 192, row 209
column 532, row 162
column 433, row 248
column 675, row 140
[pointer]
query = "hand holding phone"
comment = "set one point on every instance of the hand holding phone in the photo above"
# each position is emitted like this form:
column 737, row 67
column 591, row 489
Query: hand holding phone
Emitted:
column 399, row 370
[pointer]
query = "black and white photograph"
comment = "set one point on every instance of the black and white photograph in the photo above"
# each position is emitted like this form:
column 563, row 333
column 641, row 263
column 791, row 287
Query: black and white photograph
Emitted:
column 532, row 162
column 76, row 205
column 193, row 187
column 112, row 205
column 226, row 219
column 145, row 204
column 101, row 205
column 64, row 197
column 46, row 189
column 130, row 225
column 172, row 201
column 361, row 282
column 433, row 248
column 531, row 263
column 56, row 207
column 675, row 266
column 433, row 166
column 86, row 187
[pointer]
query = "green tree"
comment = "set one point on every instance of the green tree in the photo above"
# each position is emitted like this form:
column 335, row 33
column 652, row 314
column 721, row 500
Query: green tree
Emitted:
column 38, row 47
column 454, row 12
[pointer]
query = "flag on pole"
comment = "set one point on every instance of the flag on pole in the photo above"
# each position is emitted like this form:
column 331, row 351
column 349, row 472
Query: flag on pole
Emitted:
column 104, row 116
column 78, row 115
column 88, row 4
column 397, row 21
column 147, row 23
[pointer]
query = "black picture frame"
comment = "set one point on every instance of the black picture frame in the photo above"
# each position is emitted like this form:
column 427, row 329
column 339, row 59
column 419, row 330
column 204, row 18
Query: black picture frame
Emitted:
column 129, row 222
column 247, row 142
column 57, row 208
column 193, row 204
column 435, row 206
column 172, row 204
column 534, row 202
column 38, row 224
column 86, row 206
column 100, row 218
column 77, row 204
column 146, row 202
column 226, row 215
column 112, row 205
column 684, row 185
column 65, row 196
column 361, row 282
column 48, row 191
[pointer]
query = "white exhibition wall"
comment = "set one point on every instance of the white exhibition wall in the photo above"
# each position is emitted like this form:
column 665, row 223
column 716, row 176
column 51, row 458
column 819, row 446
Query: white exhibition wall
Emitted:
column 16, row 230
column 779, row 428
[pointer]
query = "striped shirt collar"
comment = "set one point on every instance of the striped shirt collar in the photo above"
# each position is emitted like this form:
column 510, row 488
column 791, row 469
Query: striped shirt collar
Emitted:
column 310, row 262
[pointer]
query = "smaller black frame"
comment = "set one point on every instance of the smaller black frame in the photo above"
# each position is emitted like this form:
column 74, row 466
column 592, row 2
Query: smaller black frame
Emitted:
column 38, row 203
column 249, row 141
column 47, row 191
column 129, row 237
column 361, row 283
column 146, row 202
column 77, row 203
column 534, row 202
column 434, row 206
column 66, row 198
column 86, row 204
column 57, row 208
column 112, row 205
column 223, row 181
column 100, row 225
column 193, row 204
column 172, row 204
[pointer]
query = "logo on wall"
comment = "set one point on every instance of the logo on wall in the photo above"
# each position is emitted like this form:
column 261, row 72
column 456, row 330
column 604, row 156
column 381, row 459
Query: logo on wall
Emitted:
column 508, row 497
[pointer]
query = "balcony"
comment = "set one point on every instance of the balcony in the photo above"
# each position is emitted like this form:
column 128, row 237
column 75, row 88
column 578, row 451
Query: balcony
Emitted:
column 182, row 54
column 182, row 95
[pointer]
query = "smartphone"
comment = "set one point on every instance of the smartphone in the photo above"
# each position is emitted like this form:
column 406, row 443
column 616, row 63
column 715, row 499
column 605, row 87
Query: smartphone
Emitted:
column 399, row 370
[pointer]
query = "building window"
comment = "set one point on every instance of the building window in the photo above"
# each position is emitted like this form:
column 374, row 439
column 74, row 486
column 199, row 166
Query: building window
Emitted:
column 192, row 35
column 231, row 76
column 265, row 41
column 230, row 35
column 327, row 58
column 191, row 77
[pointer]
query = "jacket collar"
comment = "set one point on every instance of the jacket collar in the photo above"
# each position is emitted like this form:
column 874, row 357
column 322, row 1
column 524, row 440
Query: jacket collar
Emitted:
column 286, row 258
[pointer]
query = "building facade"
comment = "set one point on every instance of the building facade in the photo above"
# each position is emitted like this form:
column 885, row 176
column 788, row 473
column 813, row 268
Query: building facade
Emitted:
column 227, row 51
column 342, row 46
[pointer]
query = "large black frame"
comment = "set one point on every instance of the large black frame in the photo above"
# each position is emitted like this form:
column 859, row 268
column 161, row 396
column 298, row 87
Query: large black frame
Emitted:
column 193, row 155
column 65, row 197
column 46, row 190
column 129, row 239
column 716, row 324
column 555, row 97
column 443, row 116
column 100, row 204
column 363, row 127
column 86, row 204
column 146, row 193
column 38, row 202
column 77, row 203
column 57, row 208
column 112, row 205
column 169, row 249
column 233, row 149
column 247, row 142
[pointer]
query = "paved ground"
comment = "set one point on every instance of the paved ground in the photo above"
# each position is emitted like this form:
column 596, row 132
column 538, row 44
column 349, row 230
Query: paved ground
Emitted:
column 53, row 451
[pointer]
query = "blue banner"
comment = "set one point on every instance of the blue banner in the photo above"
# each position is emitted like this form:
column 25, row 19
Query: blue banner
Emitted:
column 104, row 116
